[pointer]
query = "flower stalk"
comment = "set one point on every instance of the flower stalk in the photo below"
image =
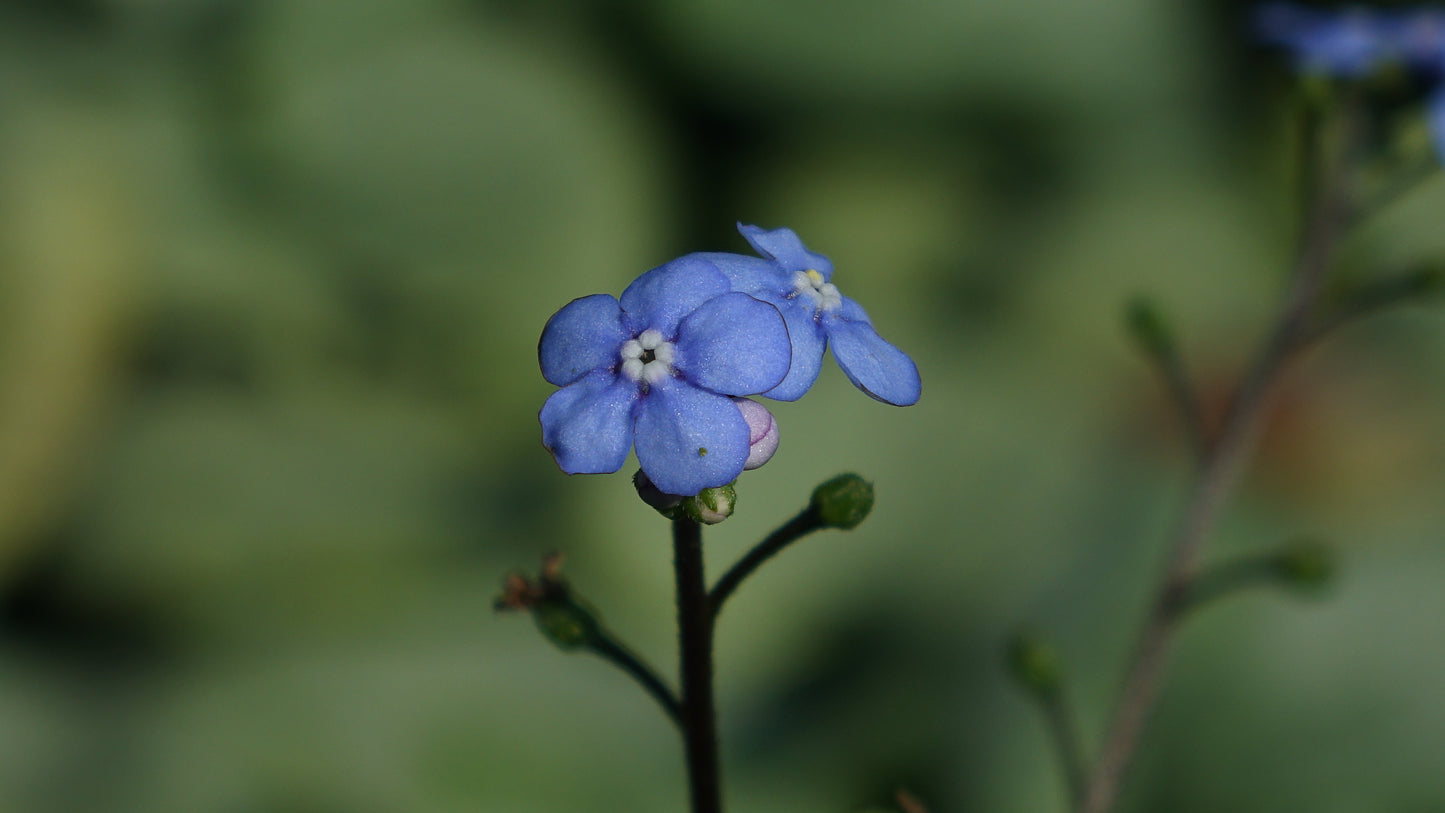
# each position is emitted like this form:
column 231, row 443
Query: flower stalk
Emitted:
column 695, row 637
column 1219, row 470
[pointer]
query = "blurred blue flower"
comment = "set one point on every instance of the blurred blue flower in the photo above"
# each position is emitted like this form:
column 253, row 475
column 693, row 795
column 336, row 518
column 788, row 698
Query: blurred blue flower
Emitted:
column 1348, row 43
column 1419, row 38
column 654, row 370
column 798, row 282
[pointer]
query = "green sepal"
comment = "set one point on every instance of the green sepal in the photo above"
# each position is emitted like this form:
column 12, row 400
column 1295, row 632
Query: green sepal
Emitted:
column 711, row 505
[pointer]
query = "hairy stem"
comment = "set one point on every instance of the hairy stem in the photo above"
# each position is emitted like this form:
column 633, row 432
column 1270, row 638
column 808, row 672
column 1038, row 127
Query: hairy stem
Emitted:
column 613, row 650
column 695, row 628
column 796, row 528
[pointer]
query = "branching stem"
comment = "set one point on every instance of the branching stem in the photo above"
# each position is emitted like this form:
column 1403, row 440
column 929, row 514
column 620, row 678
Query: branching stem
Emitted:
column 1218, row 471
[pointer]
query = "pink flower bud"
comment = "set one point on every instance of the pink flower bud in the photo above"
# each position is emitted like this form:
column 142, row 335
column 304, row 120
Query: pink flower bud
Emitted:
column 762, row 432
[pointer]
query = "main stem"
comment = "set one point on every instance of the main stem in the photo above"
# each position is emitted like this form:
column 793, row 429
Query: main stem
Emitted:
column 695, row 627
column 1219, row 470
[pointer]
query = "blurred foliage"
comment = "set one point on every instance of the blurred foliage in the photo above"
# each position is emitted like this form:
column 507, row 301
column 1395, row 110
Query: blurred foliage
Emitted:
column 274, row 274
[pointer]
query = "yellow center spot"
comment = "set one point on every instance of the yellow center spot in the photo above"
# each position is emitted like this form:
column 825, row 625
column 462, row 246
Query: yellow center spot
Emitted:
column 814, row 277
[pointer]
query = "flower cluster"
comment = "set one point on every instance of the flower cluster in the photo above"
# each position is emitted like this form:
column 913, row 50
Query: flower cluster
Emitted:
column 664, row 368
column 1354, row 42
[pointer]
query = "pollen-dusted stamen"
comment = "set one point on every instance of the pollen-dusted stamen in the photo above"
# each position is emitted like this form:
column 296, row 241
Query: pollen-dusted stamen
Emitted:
column 821, row 294
column 647, row 358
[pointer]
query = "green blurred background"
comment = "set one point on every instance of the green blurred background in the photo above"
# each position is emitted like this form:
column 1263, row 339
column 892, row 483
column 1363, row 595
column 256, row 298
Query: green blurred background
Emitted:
column 271, row 279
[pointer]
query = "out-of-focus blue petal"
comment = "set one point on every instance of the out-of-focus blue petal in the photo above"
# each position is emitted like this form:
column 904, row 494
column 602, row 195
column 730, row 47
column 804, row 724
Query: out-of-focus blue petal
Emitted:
column 872, row 364
column 587, row 426
column 1349, row 43
column 1419, row 36
column 808, row 341
column 784, row 246
column 1435, row 117
column 584, row 335
column 752, row 275
column 661, row 297
column 734, row 344
column 689, row 439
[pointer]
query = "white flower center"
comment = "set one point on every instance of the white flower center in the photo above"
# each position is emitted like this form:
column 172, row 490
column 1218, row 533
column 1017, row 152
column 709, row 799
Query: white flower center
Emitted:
column 824, row 296
column 647, row 359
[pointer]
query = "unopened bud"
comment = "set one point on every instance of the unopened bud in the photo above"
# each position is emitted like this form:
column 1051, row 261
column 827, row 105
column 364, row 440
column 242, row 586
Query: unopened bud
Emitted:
column 564, row 618
column 1034, row 664
column 762, row 432
column 1306, row 564
column 1147, row 327
column 711, row 505
column 568, row 623
column 665, row 504
column 843, row 502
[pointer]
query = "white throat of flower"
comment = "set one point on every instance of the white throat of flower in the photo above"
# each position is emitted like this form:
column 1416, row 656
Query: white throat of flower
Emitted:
column 823, row 295
column 648, row 358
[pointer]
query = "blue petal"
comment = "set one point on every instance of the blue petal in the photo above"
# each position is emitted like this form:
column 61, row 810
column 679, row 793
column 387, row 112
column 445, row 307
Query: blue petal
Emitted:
column 1349, row 42
column 584, row 335
column 734, row 344
column 752, row 275
column 808, row 341
column 784, row 246
column 661, row 297
column 1419, row 36
column 1435, row 117
column 872, row 364
column 588, row 426
column 690, row 439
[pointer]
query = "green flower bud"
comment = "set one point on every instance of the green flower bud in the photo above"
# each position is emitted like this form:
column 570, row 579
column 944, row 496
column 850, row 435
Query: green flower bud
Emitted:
column 711, row 505
column 567, row 622
column 564, row 618
column 1306, row 564
column 1035, row 664
column 843, row 502
column 1147, row 327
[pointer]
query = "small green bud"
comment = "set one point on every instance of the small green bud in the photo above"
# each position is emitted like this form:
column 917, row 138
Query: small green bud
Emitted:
column 1034, row 663
column 1147, row 327
column 564, row 618
column 567, row 622
column 711, row 505
column 843, row 502
column 1307, row 565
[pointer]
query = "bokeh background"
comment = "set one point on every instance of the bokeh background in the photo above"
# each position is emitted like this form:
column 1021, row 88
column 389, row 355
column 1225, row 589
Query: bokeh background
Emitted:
column 271, row 279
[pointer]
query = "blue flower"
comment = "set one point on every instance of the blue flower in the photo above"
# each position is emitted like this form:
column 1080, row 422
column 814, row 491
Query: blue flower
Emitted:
column 1353, row 42
column 798, row 282
column 1420, row 40
column 654, row 370
column 1347, row 44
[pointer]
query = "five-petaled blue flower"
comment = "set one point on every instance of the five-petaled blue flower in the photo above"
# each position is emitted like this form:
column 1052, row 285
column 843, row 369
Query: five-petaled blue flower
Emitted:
column 654, row 370
column 797, row 281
